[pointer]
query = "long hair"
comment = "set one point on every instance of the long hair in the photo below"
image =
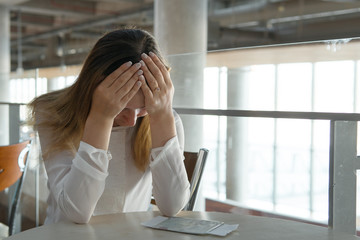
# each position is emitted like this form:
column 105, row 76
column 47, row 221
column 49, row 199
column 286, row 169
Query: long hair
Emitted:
column 64, row 112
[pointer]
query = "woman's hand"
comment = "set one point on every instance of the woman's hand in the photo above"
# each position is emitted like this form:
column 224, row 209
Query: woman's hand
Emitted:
column 158, row 92
column 109, row 99
column 116, row 90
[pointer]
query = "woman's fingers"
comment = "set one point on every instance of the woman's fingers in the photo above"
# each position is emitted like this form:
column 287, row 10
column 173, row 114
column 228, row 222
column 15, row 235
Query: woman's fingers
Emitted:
column 117, row 89
column 161, row 66
column 152, row 73
column 145, row 88
column 131, row 93
column 127, row 86
column 123, row 84
column 110, row 79
column 124, row 77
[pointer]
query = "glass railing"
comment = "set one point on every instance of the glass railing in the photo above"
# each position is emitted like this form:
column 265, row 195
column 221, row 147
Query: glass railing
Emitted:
column 268, row 118
column 280, row 162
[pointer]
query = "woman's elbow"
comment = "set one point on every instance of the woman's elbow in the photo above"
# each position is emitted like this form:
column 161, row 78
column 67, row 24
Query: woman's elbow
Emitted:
column 174, row 204
column 79, row 214
column 80, row 218
column 169, row 212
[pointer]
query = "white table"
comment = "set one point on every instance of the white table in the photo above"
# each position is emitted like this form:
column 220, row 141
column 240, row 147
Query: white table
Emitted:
column 127, row 226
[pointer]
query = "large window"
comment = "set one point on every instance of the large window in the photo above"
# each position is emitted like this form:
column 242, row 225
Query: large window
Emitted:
column 282, row 164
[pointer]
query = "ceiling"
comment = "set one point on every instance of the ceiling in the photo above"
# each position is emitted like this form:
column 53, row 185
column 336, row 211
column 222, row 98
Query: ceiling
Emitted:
column 61, row 32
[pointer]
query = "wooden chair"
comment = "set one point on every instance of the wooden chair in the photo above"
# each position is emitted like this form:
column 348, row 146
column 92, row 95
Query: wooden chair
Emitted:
column 13, row 165
column 194, row 165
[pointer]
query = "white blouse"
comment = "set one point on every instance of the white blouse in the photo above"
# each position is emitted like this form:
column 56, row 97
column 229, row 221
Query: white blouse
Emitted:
column 95, row 182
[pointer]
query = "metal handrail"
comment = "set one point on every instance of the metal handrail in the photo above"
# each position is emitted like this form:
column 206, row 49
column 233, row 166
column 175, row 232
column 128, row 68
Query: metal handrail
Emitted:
column 259, row 113
column 271, row 114
column 343, row 160
column 12, row 103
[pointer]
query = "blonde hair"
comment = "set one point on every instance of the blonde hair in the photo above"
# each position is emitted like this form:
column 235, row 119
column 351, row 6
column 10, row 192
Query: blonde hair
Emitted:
column 142, row 144
column 63, row 113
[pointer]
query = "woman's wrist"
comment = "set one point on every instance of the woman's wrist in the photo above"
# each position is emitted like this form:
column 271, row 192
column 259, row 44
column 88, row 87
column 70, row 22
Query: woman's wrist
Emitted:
column 97, row 131
column 162, row 128
column 161, row 117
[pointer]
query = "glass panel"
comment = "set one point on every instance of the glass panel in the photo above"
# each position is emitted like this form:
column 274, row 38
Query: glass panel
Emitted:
column 260, row 173
column 261, row 87
column 284, row 163
column 357, row 87
column 320, row 169
column 334, row 86
column 215, row 140
column 270, row 165
column 24, row 87
column 215, row 88
column 292, row 161
column 294, row 87
column 187, row 74
column 357, row 202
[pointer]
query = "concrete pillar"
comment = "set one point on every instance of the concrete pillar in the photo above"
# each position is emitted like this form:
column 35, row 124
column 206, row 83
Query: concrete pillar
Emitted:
column 180, row 28
column 4, row 73
column 236, row 150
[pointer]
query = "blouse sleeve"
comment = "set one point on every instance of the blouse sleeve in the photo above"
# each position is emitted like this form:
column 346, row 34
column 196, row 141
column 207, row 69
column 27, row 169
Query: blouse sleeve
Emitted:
column 75, row 182
column 171, row 188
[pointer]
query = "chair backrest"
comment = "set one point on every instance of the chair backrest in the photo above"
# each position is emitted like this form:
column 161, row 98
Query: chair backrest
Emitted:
column 13, row 165
column 194, row 165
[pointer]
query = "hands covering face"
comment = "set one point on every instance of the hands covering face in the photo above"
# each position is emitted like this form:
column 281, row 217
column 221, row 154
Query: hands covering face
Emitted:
column 150, row 74
column 117, row 89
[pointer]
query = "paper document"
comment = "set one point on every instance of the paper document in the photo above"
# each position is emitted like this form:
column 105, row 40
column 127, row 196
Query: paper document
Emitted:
column 190, row 225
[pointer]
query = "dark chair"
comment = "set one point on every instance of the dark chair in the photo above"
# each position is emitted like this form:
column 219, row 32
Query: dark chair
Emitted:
column 194, row 165
column 13, row 165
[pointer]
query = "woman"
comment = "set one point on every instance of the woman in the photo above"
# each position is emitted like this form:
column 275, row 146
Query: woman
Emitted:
column 111, row 140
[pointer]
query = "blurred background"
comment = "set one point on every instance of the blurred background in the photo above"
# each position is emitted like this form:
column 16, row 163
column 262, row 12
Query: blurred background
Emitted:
column 249, row 57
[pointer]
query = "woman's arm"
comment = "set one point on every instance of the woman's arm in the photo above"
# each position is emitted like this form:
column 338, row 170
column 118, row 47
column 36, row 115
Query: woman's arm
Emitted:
column 171, row 188
column 109, row 99
column 158, row 91
column 170, row 182
column 77, row 182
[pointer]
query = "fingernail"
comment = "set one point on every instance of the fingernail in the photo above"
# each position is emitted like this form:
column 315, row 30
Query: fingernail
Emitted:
column 142, row 63
column 151, row 54
column 138, row 65
column 138, row 83
column 141, row 77
column 140, row 72
column 128, row 64
column 144, row 55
